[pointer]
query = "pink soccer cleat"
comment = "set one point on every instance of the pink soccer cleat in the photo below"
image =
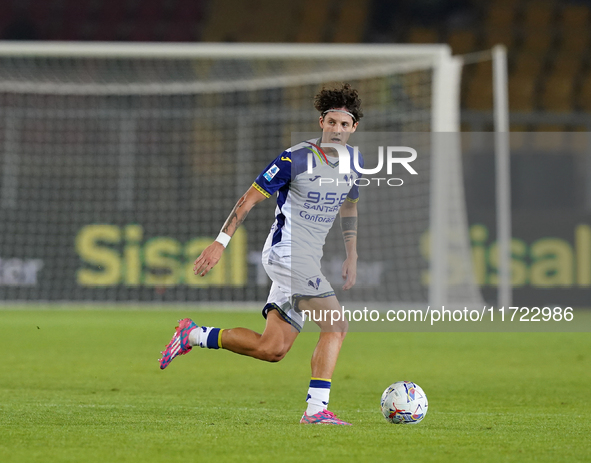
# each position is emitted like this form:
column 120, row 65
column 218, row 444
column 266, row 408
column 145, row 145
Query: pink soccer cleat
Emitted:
column 323, row 417
column 179, row 344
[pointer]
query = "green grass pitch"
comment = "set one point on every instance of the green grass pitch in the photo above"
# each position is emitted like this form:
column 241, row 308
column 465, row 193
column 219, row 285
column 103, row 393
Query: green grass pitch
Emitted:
column 84, row 386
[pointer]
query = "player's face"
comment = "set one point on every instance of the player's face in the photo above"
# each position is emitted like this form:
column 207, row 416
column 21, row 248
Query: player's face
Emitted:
column 337, row 127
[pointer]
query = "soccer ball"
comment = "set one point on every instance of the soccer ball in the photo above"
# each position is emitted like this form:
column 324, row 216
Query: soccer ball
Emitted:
column 404, row 402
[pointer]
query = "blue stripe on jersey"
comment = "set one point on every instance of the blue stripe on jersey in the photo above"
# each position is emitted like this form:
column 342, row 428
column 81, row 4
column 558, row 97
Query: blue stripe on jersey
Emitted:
column 299, row 164
column 281, row 198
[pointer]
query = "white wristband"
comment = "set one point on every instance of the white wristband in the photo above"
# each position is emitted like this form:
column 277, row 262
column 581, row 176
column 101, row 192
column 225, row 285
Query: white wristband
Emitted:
column 223, row 239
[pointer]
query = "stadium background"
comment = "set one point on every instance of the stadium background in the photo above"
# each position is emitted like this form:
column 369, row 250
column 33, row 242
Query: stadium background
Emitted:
column 549, row 93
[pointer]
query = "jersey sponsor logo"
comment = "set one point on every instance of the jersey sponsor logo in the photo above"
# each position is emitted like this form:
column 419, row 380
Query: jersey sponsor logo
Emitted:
column 318, row 218
column 271, row 173
column 322, row 208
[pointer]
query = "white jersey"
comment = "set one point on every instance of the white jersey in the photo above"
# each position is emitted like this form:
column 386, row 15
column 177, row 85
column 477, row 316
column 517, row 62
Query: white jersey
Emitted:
column 307, row 203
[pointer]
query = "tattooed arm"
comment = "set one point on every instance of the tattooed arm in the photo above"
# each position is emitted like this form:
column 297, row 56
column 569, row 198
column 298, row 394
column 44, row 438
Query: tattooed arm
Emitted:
column 349, row 226
column 241, row 210
column 212, row 254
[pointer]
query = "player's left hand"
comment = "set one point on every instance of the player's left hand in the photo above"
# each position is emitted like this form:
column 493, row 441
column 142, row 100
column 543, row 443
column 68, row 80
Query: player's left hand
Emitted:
column 208, row 258
column 349, row 272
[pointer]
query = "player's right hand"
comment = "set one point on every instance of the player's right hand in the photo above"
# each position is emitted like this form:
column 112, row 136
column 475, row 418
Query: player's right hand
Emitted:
column 208, row 258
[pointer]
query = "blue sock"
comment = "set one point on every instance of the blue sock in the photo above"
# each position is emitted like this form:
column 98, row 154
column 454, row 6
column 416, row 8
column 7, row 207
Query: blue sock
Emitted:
column 206, row 336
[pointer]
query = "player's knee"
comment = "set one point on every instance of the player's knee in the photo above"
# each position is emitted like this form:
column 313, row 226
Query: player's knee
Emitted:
column 273, row 356
column 339, row 327
column 341, row 332
column 272, row 353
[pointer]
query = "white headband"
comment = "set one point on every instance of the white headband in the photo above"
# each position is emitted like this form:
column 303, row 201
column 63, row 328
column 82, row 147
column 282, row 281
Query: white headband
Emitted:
column 339, row 111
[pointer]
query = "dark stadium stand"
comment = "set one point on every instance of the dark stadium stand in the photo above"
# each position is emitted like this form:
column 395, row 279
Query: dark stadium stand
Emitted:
column 548, row 40
column 133, row 20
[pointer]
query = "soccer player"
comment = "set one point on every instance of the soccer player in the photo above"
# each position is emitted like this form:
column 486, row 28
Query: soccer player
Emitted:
column 307, row 206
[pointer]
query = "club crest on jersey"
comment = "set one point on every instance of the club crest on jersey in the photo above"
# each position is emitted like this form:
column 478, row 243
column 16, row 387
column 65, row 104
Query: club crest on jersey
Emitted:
column 315, row 282
column 271, row 173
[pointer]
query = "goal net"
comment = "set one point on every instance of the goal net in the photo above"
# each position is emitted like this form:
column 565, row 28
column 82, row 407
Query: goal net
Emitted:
column 120, row 163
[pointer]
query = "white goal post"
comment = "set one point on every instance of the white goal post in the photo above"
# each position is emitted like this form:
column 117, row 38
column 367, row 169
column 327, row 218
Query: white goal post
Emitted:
column 177, row 95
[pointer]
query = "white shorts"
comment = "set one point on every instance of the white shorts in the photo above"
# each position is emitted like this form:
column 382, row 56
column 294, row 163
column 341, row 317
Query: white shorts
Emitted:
column 290, row 282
